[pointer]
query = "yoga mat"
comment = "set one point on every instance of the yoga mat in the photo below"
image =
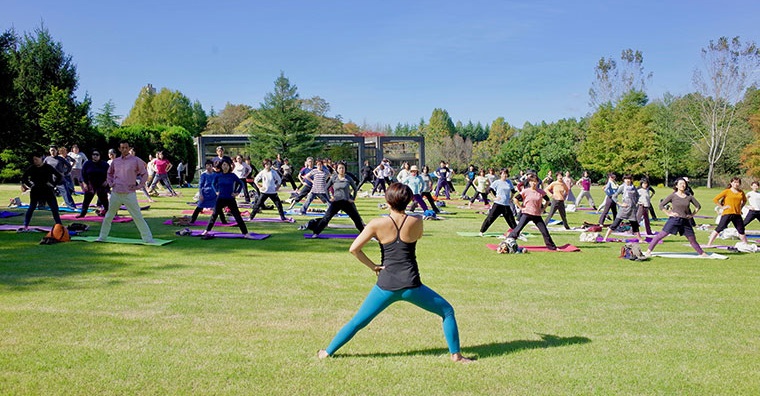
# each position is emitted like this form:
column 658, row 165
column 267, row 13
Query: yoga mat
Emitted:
column 313, row 214
column 129, row 241
column 627, row 240
column 98, row 219
column 341, row 226
column 722, row 247
column 563, row 248
column 562, row 229
column 5, row 214
column 332, row 236
column 122, row 207
column 630, row 235
column 272, row 220
column 229, row 235
column 203, row 223
column 61, row 209
column 477, row 234
column 690, row 255
column 15, row 227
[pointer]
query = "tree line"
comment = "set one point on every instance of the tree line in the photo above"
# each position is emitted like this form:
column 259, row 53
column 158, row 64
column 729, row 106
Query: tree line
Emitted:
column 711, row 132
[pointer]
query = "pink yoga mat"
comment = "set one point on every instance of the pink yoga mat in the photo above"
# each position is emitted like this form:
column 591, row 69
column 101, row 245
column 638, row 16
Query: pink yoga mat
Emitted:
column 331, row 236
column 563, row 248
column 98, row 219
column 203, row 223
column 229, row 235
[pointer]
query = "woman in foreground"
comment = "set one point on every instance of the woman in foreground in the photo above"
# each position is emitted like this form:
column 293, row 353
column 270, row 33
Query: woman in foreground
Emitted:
column 679, row 217
column 398, row 276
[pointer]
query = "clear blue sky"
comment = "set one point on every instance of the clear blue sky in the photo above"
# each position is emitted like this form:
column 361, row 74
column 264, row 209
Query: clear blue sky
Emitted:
column 382, row 62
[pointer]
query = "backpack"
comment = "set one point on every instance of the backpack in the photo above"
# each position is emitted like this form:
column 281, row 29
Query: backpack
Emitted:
column 508, row 246
column 632, row 251
column 183, row 221
column 58, row 234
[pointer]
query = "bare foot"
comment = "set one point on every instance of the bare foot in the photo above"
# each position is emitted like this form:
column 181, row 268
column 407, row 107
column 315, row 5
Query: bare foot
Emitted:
column 457, row 357
column 321, row 354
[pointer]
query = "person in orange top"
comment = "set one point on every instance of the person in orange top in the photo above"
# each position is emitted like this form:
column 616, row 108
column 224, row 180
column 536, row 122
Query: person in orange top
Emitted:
column 559, row 191
column 731, row 201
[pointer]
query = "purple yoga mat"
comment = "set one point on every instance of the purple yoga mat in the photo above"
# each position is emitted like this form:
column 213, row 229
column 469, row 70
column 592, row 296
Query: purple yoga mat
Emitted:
column 98, row 219
column 203, row 223
column 332, row 236
column 14, row 227
column 647, row 240
column 230, row 235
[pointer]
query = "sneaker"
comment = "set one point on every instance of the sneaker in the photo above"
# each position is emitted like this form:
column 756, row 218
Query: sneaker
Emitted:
column 302, row 227
column 481, row 234
column 314, row 236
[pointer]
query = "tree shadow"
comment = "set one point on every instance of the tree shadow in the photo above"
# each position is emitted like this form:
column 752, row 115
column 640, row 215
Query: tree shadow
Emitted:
column 488, row 350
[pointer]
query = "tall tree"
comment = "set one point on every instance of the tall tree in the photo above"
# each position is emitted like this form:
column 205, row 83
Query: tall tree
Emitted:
column 726, row 71
column 613, row 81
column 750, row 111
column 281, row 126
column 671, row 145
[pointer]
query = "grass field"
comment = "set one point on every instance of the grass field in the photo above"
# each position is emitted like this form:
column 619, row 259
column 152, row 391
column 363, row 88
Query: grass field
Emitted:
column 247, row 317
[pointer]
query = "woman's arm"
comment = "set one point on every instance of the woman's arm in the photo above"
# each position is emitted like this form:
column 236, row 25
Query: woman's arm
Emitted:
column 365, row 236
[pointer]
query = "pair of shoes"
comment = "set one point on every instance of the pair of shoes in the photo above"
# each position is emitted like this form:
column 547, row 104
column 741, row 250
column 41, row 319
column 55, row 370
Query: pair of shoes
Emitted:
column 184, row 232
column 302, row 227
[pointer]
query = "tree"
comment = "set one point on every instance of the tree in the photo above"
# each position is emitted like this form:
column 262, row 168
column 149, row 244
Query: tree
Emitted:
column 726, row 71
column 671, row 145
column 228, row 120
column 750, row 111
column 64, row 122
column 619, row 138
column 612, row 83
column 105, row 119
column 167, row 107
column 486, row 152
column 437, row 132
column 281, row 126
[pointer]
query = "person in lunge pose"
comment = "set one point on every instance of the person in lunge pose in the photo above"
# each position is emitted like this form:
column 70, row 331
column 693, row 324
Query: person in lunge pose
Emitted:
column 226, row 185
column 626, row 197
column 206, row 193
column 123, row 176
column 269, row 182
column 731, row 201
column 679, row 217
column 753, row 204
column 41, row 178
column 532, row 201
column 501, row 204
column 94, row 175
column 343, row 196
column 398, row 277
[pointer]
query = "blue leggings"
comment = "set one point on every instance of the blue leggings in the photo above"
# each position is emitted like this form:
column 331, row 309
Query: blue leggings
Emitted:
column 378, row 299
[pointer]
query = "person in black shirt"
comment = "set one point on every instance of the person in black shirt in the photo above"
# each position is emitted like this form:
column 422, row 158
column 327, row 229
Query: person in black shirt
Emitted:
column 94, row 175
column 367, row 175
column 41, row 179
column 398, row 277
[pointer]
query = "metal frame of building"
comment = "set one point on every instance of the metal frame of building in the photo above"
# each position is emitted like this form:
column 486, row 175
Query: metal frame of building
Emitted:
column 373, row 149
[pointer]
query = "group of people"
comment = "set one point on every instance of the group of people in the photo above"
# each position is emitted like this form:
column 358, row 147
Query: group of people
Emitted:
column 398, row 276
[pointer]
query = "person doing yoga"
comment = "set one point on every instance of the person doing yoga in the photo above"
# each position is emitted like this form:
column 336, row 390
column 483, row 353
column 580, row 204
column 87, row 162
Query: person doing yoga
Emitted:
column 679, row 217
column 398, row 277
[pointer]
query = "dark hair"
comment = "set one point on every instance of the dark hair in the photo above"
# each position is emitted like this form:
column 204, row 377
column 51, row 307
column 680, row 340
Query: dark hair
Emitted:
column 209, row 162
column 266, row 161
column 733, row 179
column 398, row 196
column 124, row 142
column 627, row 176
column 675, row 183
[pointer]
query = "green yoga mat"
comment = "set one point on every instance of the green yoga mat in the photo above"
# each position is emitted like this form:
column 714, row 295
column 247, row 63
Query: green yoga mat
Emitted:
column 130, row 241
column 477, row 234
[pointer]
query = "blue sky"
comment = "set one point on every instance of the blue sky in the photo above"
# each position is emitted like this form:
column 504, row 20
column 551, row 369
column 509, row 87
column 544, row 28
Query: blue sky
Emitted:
column 382, row 62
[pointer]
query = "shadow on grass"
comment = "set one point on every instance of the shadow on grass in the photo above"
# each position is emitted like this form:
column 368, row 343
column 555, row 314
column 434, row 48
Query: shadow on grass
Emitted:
column 489, row 350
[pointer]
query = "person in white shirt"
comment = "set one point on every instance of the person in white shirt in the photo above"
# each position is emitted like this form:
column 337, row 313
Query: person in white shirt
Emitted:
column 753, row 204
column 77, row 159
column 242, row 171
column 269, row 182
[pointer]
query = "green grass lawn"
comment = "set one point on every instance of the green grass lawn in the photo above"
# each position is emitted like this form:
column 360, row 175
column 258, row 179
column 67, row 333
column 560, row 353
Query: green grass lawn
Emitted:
column 247, row 317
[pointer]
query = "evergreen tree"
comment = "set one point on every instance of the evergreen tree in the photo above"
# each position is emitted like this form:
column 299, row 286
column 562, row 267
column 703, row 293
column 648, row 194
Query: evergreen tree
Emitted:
column 281, row 126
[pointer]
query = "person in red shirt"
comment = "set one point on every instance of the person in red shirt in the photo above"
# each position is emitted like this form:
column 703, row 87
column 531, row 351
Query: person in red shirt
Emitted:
column 163, row 166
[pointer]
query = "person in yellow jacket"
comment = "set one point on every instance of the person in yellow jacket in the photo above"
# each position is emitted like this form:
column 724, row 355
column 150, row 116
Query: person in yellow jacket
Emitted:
column 731, row 201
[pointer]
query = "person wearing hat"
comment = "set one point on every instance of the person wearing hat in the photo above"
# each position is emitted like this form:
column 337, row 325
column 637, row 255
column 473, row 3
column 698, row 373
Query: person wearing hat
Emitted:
column 94, row 182
column 415, row 182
